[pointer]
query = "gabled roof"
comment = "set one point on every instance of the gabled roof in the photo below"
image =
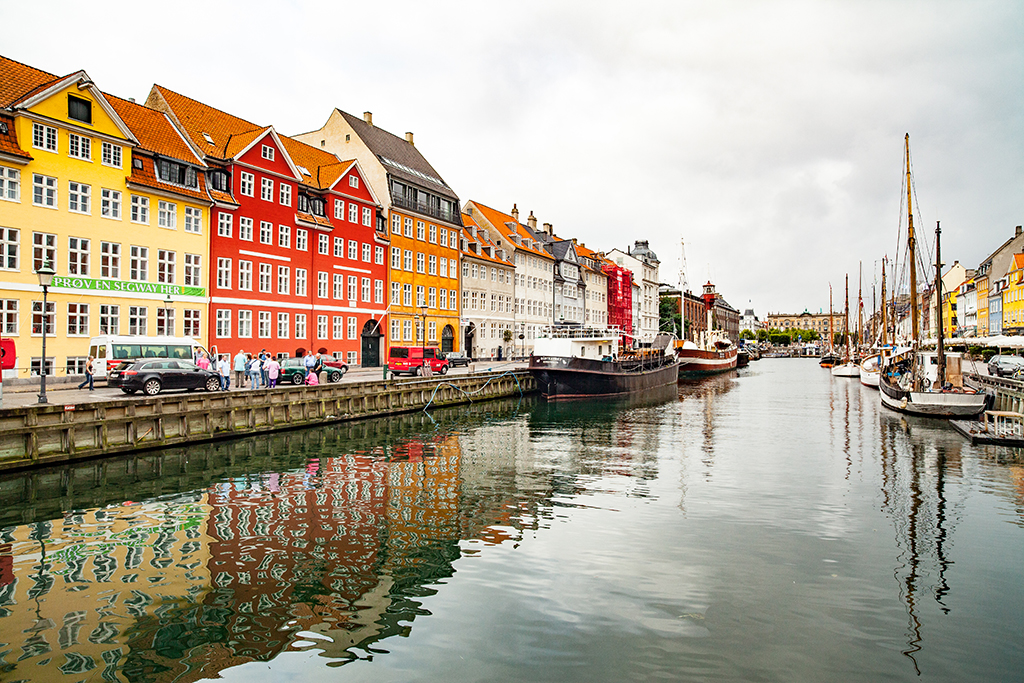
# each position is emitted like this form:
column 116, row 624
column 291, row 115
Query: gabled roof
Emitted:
column 154, row 130
column 401, row 158
column 228, row 134
column 1018, row 262
column 505, row 223
column 18, row 81
column 468, row 223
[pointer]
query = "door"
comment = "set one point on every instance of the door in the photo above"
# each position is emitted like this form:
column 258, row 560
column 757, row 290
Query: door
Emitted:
column 468, row 346
column 447, row 339
column 371, row 344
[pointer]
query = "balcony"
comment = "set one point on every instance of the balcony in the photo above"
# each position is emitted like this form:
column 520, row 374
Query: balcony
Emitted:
column 451, row 217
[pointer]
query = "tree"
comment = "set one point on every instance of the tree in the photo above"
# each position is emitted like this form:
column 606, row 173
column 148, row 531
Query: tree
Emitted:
column 746, row 334
column 669, row 318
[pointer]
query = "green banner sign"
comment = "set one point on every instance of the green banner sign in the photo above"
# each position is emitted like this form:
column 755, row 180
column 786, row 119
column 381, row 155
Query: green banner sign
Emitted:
column 84, row 283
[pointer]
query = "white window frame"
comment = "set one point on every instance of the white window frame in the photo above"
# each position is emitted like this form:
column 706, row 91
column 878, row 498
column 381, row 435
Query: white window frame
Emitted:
column 167, row 215
column 245, row 275
column 245, row 229
column 267, row 189
column 79, row 197
column 110, row 204
column 224, row 224
column 223, row 327
column 110, row 154
column 140, row 209
column 284, row 236
column 193, row 220
column 10, row 184
column 247, row 183
column 284, row 194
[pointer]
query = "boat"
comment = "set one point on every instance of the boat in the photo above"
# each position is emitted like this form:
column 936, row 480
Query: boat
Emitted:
column 829, row 358
column 571, row 362
column 925, row 382
column 847, row 367
column 869, row 371
column 742, row 358
column 714, row 353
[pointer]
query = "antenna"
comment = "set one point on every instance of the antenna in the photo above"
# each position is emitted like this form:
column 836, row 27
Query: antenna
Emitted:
column 683, row 284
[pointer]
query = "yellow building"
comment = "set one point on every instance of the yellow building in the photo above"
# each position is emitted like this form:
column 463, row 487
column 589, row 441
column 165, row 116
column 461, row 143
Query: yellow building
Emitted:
column 110, row 195
column 1013, row 297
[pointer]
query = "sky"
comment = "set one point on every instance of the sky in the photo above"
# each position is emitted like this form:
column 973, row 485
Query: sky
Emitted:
column 767, row 136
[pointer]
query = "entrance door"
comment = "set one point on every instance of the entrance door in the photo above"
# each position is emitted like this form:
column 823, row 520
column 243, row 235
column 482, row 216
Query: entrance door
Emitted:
column 447, row 339
column 468, row 346
column 371, row 344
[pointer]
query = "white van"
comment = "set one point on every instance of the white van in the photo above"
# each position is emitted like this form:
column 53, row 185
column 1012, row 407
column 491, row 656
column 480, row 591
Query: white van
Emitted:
column 111, row 350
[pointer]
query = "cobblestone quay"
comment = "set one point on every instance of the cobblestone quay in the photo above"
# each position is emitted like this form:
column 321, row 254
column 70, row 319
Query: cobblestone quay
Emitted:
column 48, row 434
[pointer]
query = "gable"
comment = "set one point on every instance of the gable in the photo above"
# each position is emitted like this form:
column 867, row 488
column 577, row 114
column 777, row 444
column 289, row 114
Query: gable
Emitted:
column 362, row 191
column 77, row 94
column 265, row 151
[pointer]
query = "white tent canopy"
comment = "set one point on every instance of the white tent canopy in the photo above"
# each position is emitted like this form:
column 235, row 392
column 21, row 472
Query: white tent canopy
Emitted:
column 1001, row 341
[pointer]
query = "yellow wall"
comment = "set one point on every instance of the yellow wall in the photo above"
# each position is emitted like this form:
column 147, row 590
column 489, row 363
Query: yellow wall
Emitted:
column 1012, row 300
column 22, row 283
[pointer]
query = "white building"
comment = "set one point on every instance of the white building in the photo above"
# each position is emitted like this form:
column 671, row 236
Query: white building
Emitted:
column 488, row 293
column 644, row 264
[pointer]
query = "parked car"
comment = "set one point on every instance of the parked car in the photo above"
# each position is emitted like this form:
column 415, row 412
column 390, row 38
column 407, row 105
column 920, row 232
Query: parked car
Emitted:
column 411, row 359
column 153, row 376
column 457, row 358
column 335, row 368
column 293, row 370
column 1004, row 366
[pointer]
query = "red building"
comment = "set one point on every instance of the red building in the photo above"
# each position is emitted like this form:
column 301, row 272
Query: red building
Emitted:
column 620, row 300
column 297, row 249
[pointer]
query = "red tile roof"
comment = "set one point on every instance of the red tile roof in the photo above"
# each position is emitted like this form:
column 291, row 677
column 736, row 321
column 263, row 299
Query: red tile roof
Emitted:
column 153, row 129
column 324, row 168
column 230, row 134
column 500, row 221
column 146, row 176
column 19, row 80
column 469, row 223
column 9, row 140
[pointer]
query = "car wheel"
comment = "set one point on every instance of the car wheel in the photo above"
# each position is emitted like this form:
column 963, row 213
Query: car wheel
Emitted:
column 127, row 391
column 416, row 372
column 213, row 384
column 444, row 369
column 334, row 377
column 151, row 387
column 297, row 378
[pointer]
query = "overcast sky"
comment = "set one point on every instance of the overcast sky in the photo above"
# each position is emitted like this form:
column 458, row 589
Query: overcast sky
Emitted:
column 767, row 135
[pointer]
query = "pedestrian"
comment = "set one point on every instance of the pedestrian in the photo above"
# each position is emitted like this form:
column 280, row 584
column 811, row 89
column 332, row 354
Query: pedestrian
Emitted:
column 240, row 369
column 308, row 362
column 264, row 357
column 312, row 380
column 224, row 369
column 255, row 371
column 273, row 372
column 204, row 360
column 89, row 372
column 318, row 365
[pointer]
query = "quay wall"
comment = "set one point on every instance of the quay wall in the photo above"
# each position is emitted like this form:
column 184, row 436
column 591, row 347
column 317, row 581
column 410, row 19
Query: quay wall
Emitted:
column 43, row 435
column 1006, row 394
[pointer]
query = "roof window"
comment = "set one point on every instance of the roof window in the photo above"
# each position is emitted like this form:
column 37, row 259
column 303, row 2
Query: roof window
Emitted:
column 206, row 136
column 79, row 109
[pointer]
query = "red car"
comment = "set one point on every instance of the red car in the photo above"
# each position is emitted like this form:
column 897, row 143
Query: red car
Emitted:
column 410, row 359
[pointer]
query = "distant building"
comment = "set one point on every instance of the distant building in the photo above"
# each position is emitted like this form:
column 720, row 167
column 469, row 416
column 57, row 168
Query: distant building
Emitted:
column 819, row 322
column 749, row 321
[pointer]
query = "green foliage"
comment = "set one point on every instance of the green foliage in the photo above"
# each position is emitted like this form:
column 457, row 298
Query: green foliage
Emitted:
column 669, row 319
column 762, row 335
column 746, row 334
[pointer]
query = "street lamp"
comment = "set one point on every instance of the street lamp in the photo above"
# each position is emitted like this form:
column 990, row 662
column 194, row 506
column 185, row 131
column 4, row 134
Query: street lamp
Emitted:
column 45, row 274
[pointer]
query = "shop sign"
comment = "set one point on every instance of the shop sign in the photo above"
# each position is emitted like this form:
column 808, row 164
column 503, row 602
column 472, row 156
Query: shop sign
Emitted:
column 87, row 284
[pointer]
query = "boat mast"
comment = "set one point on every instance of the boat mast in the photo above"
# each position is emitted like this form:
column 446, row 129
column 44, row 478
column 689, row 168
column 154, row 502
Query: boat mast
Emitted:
column 831, row 332
column 912, row 248
column 846, row 321
column 860, row 307
column 938, row 307
column 885, row 328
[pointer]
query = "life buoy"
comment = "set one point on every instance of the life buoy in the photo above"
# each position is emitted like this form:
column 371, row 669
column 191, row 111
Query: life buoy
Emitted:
column 903, row 404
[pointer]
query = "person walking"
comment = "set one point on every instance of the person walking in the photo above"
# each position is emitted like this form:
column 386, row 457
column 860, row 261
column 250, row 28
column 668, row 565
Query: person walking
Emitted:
column 240, row 369
column 224, row 369
column 90, row 371
column 273, row 372
column 255, row 371
column 318, row 365
column 264, row 357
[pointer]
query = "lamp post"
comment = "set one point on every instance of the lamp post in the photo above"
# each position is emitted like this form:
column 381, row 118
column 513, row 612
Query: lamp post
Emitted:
column 45, row 275
column 168, row 319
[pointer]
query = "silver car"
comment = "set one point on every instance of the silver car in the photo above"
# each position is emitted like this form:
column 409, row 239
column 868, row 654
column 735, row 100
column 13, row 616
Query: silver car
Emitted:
column 1004, row 366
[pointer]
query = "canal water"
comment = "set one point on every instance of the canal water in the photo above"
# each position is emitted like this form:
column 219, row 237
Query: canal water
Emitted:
column 774, row 524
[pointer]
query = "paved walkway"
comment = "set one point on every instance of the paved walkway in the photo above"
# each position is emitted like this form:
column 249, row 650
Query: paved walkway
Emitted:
column 25, row 395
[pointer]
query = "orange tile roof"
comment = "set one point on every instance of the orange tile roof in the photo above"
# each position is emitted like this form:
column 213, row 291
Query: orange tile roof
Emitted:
column 146, row 176
column 468, row 222
column 499, row 221
column 153, row 129
column 313, row 219
column 18, row 80
column 324, row 168
column 9, row 140
column 1018, row 262
column 230, row 134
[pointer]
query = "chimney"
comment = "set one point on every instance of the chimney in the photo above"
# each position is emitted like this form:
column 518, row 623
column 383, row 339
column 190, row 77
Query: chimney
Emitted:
column 574, row 241
column 1018, row 231
column 408, row 138
column 515, row 216
column 548, row 229
column 531, row 222
column 368, row 117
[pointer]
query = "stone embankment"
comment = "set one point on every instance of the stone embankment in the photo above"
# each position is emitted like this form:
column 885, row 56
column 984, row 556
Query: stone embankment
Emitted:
column 49, row 434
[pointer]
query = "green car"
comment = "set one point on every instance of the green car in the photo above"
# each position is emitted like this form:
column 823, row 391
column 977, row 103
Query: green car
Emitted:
column 293, row 371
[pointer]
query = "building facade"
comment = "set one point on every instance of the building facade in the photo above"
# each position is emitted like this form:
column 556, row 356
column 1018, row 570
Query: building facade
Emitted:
column 488, row 293
column 643, row 263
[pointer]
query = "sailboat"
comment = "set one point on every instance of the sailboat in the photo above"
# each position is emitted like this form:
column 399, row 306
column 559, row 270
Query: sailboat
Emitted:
column 847, row 368
column 925, row 382
column 871, row 365
column 829, row 359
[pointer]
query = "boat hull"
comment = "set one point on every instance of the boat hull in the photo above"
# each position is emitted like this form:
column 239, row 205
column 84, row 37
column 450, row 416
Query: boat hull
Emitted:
column 846, row 370
column 869, row 373
column 699, row 363
column 932, row 404
column 559, row 378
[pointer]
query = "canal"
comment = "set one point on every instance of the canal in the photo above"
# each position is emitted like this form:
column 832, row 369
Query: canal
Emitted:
column 774, row 524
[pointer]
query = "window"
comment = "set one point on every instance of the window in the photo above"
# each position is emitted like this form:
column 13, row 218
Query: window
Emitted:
column 321, row 284
column 378, row 255
column 110, row 154
column 366, row 289
column 339, row 247
column 110, row 319
column 396, row 258
column 353, row 284
column 396, row 224
column 421, row 299
column 352, row 322
column 396, row 330
column 78, row 320
column 432, row 297
column 245, row 229
column 444, row 237
column 420, row 260
column 408, row 227
column 453, row 300
column 431, row 331
column 268, row 152
column 165, row 322
column 193, row 220
column 79, row 147
column 190, row 322
column 223, row 224
column 110, row 260
column 339, row 285
column 245, row 275
column 219, row 180
column 407, row 294
column 455, row 240
column 176, row 173
column 167, row 215
column 396, row 293
column 353, row 181
column 10, row 241
column 264, row 324
column 140, row 209
column 266, row 189
column 44, row 190
column 44, row 250
column 420, row 231
column 265, row 278
column 79, row 109
column 378, row 291
column 353, row 249
column 366, row 252
column 300, row 284
column 433, row 234
column 165, row 266
column 223, row 323
column 442, row 302
column 110, row 204
column 339, row 209
column 78, row 197
column 245, row 324
column 323, row 244
column 301, row 239
column 321, row 327
column 300, row 325
column 10, row 184
column 407, row 330
column 338, row 327
column 432, row 265
column 367, row 217
column 224, row 273
column 284, row 278
column 283, row 325
column 78, row 256
column 38, row 319
column 444, row 267
column 266, row 232
column 248, row 181
column 193, row 270
column 34, row 366
column 353, row 213
column 137, row 320
column 44, row 137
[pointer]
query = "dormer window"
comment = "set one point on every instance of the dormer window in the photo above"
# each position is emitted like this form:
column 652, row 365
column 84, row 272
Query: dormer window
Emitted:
column 316, row 206
column 303, row 203
column 220, row 181
column 79, row 109
column 179, row 174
